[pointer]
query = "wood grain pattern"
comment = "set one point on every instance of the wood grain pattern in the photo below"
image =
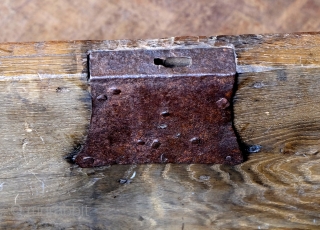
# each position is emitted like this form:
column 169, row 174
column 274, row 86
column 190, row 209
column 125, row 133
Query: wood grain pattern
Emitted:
column 46, row 109
column 277, row 90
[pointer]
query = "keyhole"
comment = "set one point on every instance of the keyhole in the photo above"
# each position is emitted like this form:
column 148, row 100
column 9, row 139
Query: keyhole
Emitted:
column 172, row 62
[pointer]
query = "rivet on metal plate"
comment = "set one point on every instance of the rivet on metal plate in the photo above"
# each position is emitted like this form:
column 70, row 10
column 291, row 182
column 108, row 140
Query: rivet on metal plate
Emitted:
column 161, row 106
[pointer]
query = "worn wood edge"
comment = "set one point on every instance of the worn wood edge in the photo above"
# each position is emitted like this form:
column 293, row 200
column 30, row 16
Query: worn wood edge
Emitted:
column 265, row 52
column 74, row 52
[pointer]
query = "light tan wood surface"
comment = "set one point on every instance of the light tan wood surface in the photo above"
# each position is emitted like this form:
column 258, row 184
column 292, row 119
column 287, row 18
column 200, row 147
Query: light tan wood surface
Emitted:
column 45, row 111
column 45, row 20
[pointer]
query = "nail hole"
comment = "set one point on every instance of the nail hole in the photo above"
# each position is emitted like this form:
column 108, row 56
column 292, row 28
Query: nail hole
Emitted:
column 254, row 148
column 62, row 89
column 102, row 97
column 88, row 160
column 195, row 140
column 162, row 126
column 223, row 103
column 155, row 144
column 140, row 142
column 124, row 181
column 115, row 91
column 162, row 158
column 165, row 114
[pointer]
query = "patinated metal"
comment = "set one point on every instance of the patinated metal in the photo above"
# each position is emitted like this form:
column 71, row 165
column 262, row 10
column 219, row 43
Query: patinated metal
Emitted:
column 161, row 106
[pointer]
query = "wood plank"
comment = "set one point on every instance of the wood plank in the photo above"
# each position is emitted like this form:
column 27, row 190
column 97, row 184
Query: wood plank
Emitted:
column 278, row 90
column 46, row 110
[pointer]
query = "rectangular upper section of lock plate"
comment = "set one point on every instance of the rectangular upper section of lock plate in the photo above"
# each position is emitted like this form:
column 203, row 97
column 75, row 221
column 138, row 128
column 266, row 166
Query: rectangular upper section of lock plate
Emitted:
column 138, row 63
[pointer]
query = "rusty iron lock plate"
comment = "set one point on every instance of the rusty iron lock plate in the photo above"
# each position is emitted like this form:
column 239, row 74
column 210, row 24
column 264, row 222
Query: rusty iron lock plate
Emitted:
column 161, row 106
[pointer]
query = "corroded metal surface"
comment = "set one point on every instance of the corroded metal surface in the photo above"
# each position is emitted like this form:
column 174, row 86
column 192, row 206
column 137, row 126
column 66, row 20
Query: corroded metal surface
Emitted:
column 146, row 112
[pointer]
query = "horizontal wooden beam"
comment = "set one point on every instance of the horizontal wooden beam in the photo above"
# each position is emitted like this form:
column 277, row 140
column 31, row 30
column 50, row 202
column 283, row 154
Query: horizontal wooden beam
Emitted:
column 45, row 113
